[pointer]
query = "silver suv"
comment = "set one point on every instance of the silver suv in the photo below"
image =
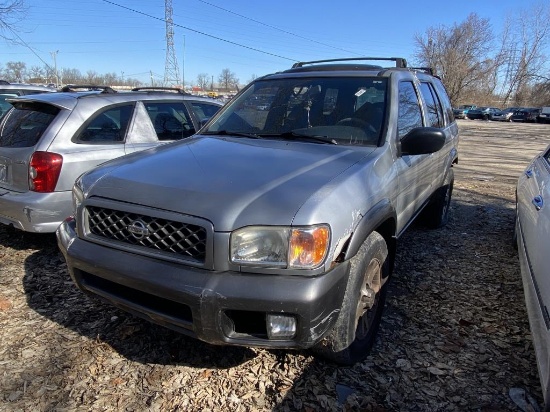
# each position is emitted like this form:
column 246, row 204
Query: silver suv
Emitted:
column 48, row 140
column 274, row 226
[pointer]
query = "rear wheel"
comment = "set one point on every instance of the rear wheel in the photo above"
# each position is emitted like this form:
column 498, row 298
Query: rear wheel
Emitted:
column 355, row 330
column 436, row 214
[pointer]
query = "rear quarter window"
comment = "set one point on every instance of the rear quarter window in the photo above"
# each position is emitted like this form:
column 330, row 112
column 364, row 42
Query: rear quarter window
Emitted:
column 24, row 126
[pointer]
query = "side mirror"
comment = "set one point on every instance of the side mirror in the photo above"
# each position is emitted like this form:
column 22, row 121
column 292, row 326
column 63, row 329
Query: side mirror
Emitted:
column 422, row 140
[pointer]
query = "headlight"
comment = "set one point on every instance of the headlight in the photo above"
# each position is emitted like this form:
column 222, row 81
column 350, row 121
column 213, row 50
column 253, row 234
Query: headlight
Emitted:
column 78, row 196
column 284, row 247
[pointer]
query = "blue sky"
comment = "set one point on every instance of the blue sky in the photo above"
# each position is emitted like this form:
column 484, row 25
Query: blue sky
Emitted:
column 250, row 38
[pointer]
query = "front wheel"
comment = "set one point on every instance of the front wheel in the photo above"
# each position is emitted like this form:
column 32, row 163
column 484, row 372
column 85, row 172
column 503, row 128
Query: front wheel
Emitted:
column 355, row 330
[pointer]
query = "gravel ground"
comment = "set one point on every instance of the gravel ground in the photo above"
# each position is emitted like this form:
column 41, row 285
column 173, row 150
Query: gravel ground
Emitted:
column 454, row 337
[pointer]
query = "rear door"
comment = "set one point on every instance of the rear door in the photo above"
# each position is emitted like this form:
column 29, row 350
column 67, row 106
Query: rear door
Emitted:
column 100, row 138
column 20, row 131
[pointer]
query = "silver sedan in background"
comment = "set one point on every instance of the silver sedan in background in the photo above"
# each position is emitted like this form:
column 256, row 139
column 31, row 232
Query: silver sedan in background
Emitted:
column 532, row 234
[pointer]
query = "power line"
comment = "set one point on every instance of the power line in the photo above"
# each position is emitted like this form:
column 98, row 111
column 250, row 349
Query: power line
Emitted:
column 29, row 47
column 276, row 28
column 200, row 32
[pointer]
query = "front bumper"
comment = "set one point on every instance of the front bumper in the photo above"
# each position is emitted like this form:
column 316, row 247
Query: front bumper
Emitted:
column 216, row 307
column 34, row 212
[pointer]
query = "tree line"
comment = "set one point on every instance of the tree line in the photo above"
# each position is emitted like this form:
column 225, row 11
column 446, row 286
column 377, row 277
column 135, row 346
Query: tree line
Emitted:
column 17, row 72
column 478, row 66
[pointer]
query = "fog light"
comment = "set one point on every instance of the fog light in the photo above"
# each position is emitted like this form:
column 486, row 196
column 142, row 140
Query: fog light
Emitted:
column 281, row 326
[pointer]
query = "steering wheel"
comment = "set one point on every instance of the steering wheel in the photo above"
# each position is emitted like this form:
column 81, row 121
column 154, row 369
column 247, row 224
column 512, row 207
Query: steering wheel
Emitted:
column 355, row 122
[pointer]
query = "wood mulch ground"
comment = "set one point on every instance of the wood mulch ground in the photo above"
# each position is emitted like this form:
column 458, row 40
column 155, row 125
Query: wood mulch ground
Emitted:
column 454, row 337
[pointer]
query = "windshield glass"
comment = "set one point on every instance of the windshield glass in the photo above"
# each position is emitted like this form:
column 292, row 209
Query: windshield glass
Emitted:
column 341, row 110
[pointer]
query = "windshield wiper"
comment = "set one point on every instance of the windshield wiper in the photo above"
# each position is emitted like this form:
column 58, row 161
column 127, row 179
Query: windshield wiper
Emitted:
column 230, row 133
column 302, row 136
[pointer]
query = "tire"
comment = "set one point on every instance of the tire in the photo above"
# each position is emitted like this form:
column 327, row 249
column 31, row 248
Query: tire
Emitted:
column 355, row 329
column 436, row 213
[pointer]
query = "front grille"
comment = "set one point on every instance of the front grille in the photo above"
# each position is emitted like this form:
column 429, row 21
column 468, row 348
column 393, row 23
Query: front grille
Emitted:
column 153, row 233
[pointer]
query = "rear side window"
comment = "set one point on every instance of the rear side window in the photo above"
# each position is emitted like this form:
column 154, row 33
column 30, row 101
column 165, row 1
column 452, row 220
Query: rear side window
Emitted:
column 107, row 126
column 435, row 114
column 24, row 125
column 409, row 115
column 170, row 120
column 445, row 101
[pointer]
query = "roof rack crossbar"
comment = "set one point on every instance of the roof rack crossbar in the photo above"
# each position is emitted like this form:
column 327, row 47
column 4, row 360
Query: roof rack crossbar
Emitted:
column 72, row 87
column 400, row 62
column 158, row 88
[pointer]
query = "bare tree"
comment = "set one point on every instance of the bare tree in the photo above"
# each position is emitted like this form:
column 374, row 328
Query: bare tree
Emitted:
column 459, row 55
column 92, row 77
column 203, row 79
column 11, row 12
column 15, row 71
column 71, row 76
column 36, row 74
column 227, row 79
column 522, row 60
column 110, row 78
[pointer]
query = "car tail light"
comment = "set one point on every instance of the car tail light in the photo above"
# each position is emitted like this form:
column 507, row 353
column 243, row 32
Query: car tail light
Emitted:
column 44, row 169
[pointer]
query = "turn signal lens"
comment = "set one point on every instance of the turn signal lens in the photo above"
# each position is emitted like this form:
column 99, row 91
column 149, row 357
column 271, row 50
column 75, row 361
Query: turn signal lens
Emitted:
column 308, row 247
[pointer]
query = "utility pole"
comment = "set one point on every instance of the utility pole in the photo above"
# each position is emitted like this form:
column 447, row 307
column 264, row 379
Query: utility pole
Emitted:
column 54, row 56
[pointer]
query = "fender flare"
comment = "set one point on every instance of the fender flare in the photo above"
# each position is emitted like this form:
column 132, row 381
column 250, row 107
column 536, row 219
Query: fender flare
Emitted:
column 381, row 212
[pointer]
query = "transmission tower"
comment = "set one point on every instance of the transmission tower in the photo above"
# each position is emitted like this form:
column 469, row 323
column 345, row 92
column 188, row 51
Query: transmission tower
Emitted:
column 171, row 70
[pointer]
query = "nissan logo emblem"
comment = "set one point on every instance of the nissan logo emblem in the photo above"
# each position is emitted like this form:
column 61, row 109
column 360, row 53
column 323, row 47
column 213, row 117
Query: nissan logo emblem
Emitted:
column 138, row 229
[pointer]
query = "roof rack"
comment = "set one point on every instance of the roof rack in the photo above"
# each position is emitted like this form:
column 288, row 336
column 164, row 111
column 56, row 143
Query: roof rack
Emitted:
column 88, row 87
column 400, row 62
column 162, row 89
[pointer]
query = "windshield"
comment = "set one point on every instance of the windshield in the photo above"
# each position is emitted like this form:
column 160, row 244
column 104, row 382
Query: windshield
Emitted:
column 340, row 110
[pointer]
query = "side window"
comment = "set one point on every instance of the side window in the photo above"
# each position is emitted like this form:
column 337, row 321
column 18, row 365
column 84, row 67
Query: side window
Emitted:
column 204, row 111
column 445, row 101
column 435, row 115
column 409, row 115
column 170, row 120
column 107, row 126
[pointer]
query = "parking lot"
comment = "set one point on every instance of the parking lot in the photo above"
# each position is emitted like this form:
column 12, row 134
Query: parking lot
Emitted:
column 454, row 336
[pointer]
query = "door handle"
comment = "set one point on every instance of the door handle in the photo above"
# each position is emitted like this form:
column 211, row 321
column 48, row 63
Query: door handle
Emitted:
column 538, row 202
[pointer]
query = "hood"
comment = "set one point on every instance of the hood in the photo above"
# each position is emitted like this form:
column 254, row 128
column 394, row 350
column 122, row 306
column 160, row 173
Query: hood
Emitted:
column 232, row 182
